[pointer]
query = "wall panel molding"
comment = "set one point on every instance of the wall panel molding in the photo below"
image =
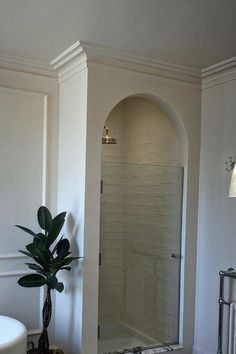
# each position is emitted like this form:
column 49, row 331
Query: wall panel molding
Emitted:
column 24, row 91
column 14, row 273
column 44, row 132
column 16, row 255
column 25, row 119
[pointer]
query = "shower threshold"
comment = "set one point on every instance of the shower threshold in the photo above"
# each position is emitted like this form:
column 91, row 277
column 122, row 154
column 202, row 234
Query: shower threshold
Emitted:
column 150, row 349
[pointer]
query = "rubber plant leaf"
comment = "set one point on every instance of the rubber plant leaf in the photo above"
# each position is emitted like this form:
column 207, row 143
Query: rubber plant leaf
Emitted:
column 32, row 281
column 52, row 281
column 63, row 248
column 59, row 217
column 59, row 287
column 67, row 261
column 31, row 256
column 26, row 230
column 39, row 251
column 36, row 267
column 54, row 232
column 55, row 248
column 39, row 239
column 66, row 268
column 44, row 218
column 26, row 253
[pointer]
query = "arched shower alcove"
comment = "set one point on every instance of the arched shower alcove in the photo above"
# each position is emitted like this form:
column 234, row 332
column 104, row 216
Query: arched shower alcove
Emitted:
column 140, row 225
column 92, row 81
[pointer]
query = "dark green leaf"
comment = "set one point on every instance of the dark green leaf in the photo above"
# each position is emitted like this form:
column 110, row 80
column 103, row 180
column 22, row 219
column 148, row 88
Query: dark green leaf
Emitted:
column 41, row 235
column 26, row 253
column 63, row 248
column 53, row 234
column 59, row 287
column 40, row 239
column 35, row 267
column 67, row 261
column 26, row 230
column 66, row 268
column 31, row 280
column 55, row 248
column 52, row 281
column 40, row 251
column 35, row 258
column 59, row 217
column 44, row 218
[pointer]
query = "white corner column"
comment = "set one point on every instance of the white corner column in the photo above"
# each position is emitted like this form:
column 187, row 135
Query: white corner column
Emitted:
column 73, row 305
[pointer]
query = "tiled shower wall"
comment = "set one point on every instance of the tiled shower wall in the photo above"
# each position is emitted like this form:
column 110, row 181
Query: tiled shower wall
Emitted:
column 140, row 221
column 150, row 135
column 151, row 235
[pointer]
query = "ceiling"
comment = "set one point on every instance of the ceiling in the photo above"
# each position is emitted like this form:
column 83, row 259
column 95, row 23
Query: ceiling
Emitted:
column 195, row 33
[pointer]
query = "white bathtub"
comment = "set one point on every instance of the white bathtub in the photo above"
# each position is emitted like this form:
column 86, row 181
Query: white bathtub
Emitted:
column 13, row 336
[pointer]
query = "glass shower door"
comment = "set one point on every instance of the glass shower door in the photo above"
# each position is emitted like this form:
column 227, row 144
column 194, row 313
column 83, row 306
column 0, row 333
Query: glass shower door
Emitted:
column 140, row 244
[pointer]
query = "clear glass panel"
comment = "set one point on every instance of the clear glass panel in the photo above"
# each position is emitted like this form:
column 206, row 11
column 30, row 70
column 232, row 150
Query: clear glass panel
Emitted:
column 140, row 255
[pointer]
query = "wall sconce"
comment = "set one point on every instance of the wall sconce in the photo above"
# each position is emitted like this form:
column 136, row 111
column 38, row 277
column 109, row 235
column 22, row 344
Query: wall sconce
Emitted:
column 231, row 166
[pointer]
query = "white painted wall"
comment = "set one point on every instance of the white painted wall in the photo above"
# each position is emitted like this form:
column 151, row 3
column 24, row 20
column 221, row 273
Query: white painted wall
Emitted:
column 217, row 228
column 28, row 179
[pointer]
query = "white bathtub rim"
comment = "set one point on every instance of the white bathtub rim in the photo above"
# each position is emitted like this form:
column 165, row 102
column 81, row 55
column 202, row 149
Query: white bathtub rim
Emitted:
column 18, row 338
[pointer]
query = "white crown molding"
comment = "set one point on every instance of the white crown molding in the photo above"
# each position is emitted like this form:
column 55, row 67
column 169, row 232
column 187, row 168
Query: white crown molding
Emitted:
column 219, row 73
column 216, row 68
column 70, row 62
column 81, row 54
column 26, row 65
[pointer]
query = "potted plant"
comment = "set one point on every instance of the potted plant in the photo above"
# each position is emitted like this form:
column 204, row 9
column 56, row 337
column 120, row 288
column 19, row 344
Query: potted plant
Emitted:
column 50, row 256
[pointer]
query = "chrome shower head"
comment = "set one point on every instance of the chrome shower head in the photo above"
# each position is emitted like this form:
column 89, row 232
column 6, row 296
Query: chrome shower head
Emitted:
column 108, row 139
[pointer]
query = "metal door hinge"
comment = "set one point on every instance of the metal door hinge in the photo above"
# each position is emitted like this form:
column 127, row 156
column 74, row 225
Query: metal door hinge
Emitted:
column 100, row 259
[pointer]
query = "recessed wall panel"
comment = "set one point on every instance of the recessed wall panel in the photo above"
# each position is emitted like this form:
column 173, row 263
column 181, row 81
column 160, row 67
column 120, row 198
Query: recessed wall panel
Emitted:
column 23, row 117
column 20, row 303
column 22, row 143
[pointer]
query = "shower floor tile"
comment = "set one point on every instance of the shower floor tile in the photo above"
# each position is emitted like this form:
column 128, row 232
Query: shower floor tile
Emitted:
column 112, row 345
column 118, row 338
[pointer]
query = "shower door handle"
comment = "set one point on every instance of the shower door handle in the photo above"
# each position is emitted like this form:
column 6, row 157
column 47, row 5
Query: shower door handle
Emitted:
column 101, row 187
column 100, row 259
column 175, row 256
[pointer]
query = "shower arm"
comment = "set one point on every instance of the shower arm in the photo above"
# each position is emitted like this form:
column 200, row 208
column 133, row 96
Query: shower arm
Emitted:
column 106, row 129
